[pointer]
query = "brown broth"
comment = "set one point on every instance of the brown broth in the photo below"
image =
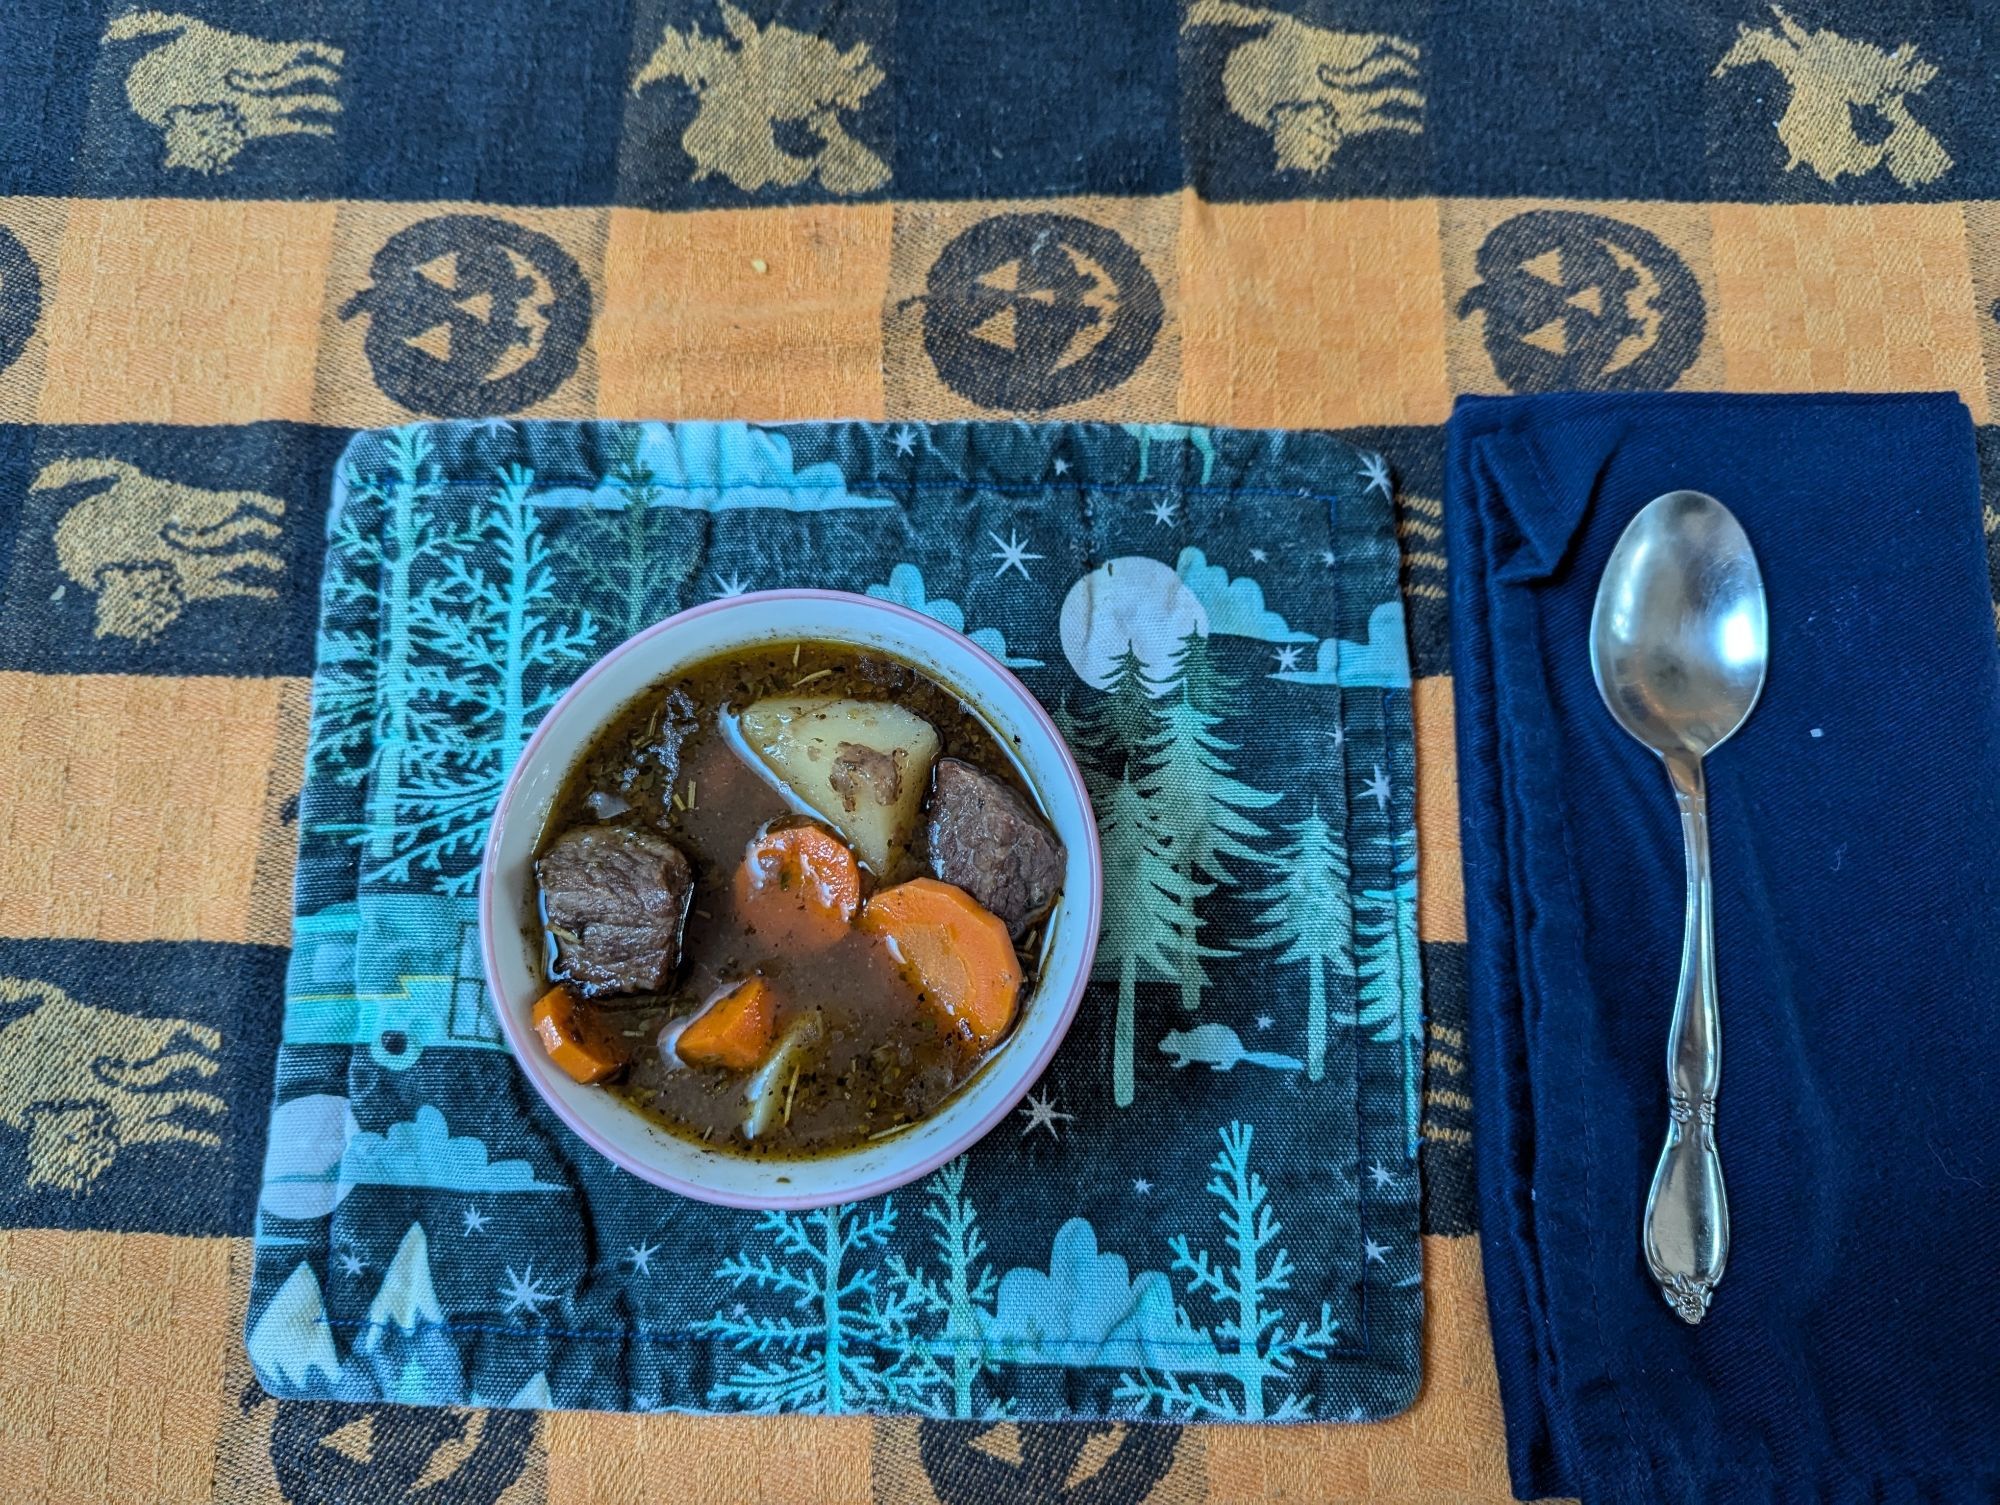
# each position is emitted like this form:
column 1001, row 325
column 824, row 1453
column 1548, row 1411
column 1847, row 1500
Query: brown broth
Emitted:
column 884, row 1062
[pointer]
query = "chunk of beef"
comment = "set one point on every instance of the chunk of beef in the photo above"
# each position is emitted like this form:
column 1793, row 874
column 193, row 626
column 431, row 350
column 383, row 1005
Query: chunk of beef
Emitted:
column 616, row 898
column 983, row 838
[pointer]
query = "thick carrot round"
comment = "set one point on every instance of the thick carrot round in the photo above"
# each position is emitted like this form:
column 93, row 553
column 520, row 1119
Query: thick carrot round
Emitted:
column 799, row 885
column 956, row 952
column 735, row 1031
column 569, row 1032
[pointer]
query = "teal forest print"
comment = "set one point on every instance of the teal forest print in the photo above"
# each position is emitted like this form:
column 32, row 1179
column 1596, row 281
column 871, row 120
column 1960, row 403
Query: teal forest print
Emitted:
column 1246, row 1287
column 1307, row 922
column 851, row 1342
column 853, row 1324
column 1211, row 1194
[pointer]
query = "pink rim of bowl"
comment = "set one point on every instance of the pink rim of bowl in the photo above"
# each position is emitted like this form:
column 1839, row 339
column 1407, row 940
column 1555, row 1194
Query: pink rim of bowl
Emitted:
column 1057, row 779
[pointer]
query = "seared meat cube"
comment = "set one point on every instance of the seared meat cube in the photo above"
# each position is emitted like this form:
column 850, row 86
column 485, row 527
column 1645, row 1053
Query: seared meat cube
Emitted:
column 616, row 898
column 983, row 838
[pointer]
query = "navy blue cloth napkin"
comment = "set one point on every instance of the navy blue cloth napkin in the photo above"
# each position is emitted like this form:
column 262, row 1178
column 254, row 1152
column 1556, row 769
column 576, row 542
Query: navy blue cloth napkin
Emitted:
column 1853, row 1350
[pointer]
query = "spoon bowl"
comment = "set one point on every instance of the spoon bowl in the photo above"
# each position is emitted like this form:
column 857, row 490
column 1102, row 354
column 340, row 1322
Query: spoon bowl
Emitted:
column 1679, row 639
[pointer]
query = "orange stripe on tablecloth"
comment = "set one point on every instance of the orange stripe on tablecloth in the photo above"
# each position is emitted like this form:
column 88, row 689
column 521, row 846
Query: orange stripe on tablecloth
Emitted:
column 121, row 1377
column 112, row 1352
column 755, row 313
column 600, row 1458
column 185, row 311
column 1311, row 312
column 1440, row 881
column 1314, row 314
column 1850, row 297
column 132, row 804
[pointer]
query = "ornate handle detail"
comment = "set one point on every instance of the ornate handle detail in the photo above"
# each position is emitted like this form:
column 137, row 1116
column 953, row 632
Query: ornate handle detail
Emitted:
column 1687, row 1214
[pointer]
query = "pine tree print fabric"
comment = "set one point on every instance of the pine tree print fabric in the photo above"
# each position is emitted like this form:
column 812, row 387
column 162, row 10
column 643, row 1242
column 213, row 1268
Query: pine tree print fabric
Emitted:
column 1207, row 1208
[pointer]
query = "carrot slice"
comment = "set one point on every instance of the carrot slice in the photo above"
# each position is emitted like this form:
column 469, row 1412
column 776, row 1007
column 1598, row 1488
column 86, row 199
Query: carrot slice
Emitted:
column 734, row 1031
column 956, row 952
column 569, row 1030
column 799, row 884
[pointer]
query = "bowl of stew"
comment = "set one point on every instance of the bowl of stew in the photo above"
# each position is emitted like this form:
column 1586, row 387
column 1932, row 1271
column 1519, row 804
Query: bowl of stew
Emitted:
column 790, row 899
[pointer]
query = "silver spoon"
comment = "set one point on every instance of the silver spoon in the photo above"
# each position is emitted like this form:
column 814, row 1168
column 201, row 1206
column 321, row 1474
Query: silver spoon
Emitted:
column 1679, row 643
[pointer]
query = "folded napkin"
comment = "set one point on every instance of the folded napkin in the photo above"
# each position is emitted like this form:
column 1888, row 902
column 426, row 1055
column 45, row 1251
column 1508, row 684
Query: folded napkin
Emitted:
column 1207, row 1207
column 1853, row 1349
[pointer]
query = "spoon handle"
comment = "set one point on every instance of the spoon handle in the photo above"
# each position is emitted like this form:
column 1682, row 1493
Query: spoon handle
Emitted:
column 1687, row 1215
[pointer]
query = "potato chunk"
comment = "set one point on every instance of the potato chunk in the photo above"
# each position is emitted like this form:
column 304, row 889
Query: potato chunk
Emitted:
column 862, row 766
column 767, row 1096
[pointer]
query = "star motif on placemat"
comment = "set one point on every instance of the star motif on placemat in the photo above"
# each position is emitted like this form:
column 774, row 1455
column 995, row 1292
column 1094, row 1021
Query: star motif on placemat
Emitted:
column 1372, row 1252
column 1377, row 788
column 475, row 1220
column 1013, row 554
column 523, row 1292
column 1164, row 510
column 1288, row 659
column 1042, row 1113
column 350, row 1263
column 906, row 441
column 1377, row 470
column 640, row 1257
column 1381, row 1174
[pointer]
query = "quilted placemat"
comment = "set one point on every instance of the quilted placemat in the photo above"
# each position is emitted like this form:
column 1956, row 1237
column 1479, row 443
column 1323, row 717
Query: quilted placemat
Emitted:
column 1207, row 1208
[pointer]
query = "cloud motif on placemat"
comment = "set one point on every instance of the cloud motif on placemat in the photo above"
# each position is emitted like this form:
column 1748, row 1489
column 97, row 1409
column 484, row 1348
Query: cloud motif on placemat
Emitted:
column 1087, row 1311
column 423, row 1152
column 905, row 587
column 1235, row 606
column 716, row 467
column 1384, row 660
column 318, row 1154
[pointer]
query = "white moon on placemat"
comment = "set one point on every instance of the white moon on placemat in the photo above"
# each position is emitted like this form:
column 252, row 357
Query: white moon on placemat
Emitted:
column 1134, row 603
column 302, row 1163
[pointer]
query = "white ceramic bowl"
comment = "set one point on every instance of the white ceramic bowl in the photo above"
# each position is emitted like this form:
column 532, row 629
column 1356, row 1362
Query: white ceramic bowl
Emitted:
column 513, row 964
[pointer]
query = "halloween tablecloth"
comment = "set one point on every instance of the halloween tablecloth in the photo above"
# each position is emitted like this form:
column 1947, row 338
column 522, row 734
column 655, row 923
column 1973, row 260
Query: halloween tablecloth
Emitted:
column 232, row 233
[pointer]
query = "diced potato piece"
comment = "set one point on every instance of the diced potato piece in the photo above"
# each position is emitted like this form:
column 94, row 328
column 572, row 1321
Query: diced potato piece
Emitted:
column 767, row 1095
column 862, row 766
